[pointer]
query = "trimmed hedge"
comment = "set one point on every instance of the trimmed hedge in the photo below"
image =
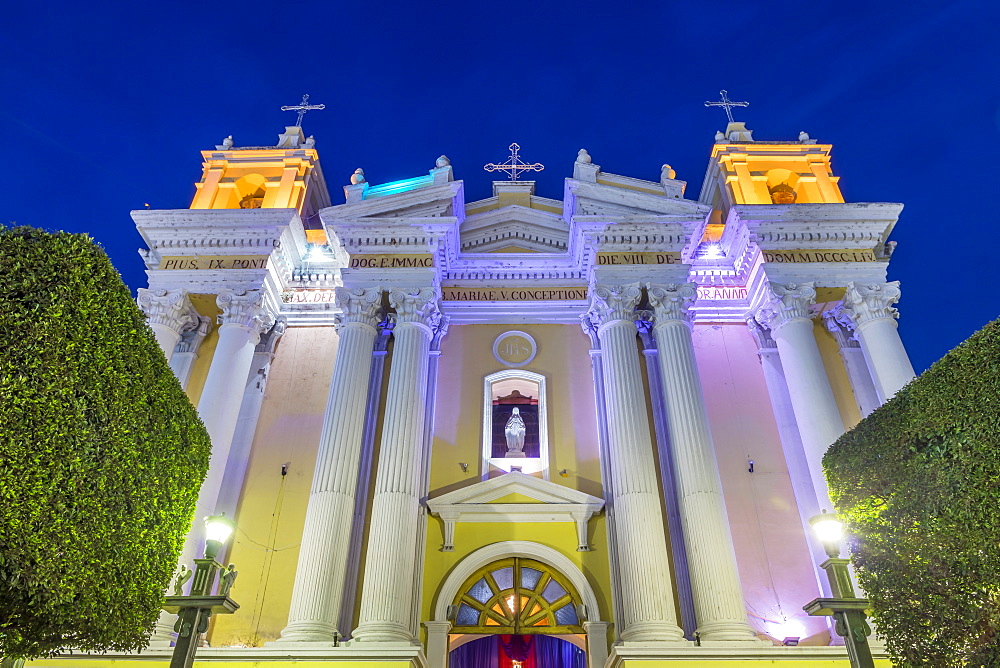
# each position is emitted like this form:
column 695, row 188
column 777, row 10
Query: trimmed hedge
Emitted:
column 918, row 483
column 101, row 453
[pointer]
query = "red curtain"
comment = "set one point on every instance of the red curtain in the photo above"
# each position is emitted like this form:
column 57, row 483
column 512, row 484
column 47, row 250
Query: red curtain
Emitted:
column 517, row 648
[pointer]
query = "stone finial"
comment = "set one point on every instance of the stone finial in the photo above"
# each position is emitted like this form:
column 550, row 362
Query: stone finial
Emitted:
column 442, row 161
column 804, row 137
column 667, row 173
column 720, row 137
column 358, row 176
column 310, row 142
column 583, row 157
column 227, row 142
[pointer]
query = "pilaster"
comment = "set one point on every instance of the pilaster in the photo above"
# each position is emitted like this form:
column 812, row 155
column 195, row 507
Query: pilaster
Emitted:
column 839, row 325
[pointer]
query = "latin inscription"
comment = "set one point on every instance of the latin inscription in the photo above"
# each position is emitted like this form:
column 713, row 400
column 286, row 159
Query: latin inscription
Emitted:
column 638, row 258
column 720, row 293
column 309, row 297
column 203, row 262
column 513, row 294
column 820, row 256
column 391, row 261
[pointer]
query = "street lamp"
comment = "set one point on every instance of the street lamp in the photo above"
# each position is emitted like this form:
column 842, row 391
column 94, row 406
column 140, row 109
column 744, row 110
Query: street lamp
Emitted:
column 847, row 610
column 196, row 609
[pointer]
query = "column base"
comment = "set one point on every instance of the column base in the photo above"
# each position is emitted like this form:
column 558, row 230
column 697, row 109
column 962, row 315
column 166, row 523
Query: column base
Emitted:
column 653, row 632
column 383, row 632
column 728, row 632
column 310, row 632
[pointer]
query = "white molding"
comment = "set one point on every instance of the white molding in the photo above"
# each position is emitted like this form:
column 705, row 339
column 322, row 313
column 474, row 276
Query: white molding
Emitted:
column 543, row 422
column 514, row 548
column 554, row 503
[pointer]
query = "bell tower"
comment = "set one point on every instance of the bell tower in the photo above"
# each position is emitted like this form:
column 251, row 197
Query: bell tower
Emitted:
column 742, row 170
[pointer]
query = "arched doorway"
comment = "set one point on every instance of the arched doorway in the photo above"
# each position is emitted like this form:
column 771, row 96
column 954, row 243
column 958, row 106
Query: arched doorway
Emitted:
column 443, row 636
column 526, row 609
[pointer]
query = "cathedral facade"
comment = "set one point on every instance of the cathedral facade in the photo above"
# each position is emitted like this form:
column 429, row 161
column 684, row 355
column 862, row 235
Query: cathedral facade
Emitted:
column 522, row 431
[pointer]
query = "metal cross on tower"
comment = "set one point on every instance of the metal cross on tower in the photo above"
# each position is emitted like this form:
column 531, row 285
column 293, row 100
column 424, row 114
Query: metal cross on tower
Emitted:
column 727, row 104
column 302, row 109
column 514, row 165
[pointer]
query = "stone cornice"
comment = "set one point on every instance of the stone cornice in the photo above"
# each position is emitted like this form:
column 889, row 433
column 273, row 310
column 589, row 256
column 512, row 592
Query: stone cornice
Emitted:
column 862, row 225
column 212, row 231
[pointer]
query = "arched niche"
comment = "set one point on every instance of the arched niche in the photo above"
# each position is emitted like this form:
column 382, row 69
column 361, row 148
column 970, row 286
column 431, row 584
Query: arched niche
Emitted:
column 504, row 393
column 782, row 184
column 250, row 190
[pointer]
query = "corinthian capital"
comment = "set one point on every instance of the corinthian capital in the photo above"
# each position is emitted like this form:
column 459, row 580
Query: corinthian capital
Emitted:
column 839, row 323
column 360, row 305
column 672, row 301
column 245, row 308
column 864, row 303
column 170, row 308
column 784, row 303
column 609, row 303
column 416, row 305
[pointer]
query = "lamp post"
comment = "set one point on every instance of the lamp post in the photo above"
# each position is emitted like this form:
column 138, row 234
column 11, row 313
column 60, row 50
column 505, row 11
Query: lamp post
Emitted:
column 845, row 607
column 196, row 609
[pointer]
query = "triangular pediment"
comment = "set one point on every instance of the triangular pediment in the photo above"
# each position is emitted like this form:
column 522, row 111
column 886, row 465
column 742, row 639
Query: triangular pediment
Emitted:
column 532, row 229
column 528, row 488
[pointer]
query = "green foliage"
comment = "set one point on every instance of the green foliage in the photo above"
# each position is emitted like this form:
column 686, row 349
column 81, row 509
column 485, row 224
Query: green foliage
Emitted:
column 918, row 483
column 101, row 453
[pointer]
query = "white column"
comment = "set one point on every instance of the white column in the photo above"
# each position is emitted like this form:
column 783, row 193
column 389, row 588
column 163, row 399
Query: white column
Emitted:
column 839, row 325
column 597, row 643
column 785, row 311
column 874, row 318
column 387, row 593
column 437, row 644
column 168, row 312
column 647, row 596
column 319, row 578
column 715, row 580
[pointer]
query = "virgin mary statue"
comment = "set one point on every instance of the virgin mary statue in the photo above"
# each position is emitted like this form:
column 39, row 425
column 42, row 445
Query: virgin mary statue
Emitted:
column 515, row 434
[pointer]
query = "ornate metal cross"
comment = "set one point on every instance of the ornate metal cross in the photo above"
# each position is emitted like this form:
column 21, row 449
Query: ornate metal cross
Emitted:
column 302, row 109
column 727, row 104
column 514, row 165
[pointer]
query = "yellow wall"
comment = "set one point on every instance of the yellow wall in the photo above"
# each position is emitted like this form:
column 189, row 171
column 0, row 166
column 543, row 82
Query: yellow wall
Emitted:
column 205, row 305
column 564, row 360
column 271, row 513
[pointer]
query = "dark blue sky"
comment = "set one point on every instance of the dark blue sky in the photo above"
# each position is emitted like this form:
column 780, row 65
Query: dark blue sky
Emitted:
column 106, row 105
